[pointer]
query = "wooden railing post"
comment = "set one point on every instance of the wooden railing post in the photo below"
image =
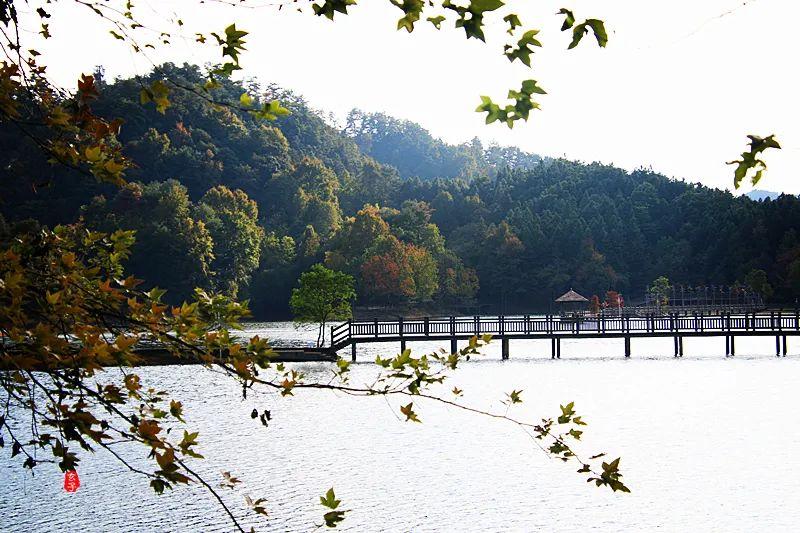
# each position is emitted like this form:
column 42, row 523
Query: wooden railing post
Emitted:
column 400, row 326
column 501, row 324
column 427, row 326
column 452, row 326
column 376, row 328
column 477, row 324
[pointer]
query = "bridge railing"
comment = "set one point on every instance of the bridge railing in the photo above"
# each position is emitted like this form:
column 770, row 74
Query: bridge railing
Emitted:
column 552, row 325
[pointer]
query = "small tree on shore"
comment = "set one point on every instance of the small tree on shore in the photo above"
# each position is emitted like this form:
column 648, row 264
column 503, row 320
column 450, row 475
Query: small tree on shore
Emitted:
column 660, row 289
column 757, row 280
column 322, row 295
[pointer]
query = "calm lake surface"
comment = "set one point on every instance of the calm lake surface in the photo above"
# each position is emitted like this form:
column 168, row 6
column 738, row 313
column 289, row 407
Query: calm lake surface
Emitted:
column 707, row 444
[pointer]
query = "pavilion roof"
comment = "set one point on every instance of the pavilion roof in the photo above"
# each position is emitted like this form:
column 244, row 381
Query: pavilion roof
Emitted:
column 571, row 296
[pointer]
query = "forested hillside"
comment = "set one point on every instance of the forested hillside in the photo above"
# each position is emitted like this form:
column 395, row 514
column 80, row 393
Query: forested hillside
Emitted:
column 223, row 200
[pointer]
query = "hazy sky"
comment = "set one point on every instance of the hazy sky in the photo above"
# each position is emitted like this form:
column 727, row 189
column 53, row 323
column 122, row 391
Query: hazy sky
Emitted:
column 677, row 89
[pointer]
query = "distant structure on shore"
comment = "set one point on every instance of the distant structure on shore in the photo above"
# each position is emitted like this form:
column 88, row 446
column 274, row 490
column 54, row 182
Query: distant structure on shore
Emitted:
column 571, row 302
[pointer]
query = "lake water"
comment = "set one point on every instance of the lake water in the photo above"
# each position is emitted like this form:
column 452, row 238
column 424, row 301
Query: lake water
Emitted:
column 707, row 444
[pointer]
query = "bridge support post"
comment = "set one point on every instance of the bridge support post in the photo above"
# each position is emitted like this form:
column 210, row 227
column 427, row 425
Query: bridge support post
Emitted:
column 558, row 348
column 784, row 346
column 680, row 346
column 353, row 352
column 627, row 347
column 675, row 343
column 777, row 346
column 733, row 346
column 553, row 348
column 727, row 346
column 505, row 348
column 402, row 345
column 453, row 345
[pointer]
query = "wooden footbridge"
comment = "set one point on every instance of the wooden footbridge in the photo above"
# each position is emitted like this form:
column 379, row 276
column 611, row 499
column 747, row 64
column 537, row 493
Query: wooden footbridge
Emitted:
column 778, row 324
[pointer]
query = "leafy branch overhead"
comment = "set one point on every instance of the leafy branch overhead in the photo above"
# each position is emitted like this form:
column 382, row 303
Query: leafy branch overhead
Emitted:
column 578, row 31
column 751, row 162
column 520, row 109
column 471, row 17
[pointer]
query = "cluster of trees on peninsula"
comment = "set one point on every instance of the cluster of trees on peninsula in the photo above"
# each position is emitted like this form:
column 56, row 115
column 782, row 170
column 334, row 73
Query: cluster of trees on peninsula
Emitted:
column 224, row 201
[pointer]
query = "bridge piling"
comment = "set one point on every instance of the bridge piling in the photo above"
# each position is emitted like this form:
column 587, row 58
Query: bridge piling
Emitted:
column 733, row 346
column 353, row 352
column 553, row 348
column 453, row 345
column 680, row 346
column 402, row 345
column 675, row 344
column 505, row 348
column 784, row 346
column 627, row 347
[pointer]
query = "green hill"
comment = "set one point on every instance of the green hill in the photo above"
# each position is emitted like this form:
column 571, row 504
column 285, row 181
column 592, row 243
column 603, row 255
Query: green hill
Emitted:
column 416, row 220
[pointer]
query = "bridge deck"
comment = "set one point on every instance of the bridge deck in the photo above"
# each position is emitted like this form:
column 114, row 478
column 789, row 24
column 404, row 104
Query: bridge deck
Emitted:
column 556, row 328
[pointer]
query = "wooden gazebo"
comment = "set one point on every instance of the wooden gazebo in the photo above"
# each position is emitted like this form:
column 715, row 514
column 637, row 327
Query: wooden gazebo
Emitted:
column 571, row 303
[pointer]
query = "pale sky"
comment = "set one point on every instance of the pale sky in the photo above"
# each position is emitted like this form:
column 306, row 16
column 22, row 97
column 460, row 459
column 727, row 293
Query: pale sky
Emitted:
column 679, row 86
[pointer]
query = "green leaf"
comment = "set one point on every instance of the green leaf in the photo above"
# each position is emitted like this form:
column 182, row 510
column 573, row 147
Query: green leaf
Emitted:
column 569, row 18
column 270, row 111
column 513, row 22
column 751, row 161
column 412, row 9
column 329, row 500
column 514, row 396
column 599, row 29
column 437, row 21
column 523, row 50
column 246, row 100
column 582, row 29
column 329, row 8
column 471, row 17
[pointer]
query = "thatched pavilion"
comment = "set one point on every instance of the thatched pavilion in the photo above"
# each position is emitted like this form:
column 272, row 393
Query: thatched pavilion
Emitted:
column 571, row 302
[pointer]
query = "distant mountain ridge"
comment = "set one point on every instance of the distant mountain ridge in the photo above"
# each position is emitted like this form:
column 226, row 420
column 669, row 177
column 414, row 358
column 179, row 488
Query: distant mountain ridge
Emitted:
column 760, row 194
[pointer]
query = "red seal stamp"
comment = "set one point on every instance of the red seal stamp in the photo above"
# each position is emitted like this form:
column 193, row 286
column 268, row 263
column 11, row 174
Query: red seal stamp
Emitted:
column 71, row 481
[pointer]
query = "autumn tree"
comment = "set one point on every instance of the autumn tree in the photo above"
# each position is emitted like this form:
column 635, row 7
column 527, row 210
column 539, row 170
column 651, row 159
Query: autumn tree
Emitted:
column 387, row 274
column 613, row 300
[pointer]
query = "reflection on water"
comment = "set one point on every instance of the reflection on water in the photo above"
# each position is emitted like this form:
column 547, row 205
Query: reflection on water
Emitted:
column 707, row 444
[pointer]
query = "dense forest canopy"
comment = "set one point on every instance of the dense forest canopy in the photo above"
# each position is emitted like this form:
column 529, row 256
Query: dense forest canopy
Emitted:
column 244, row 206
